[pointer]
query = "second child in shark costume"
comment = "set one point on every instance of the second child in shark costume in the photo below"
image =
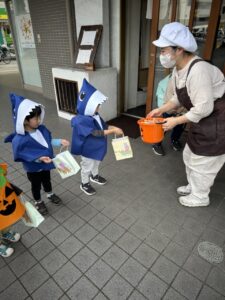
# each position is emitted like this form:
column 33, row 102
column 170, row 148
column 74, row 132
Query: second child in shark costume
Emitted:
column 32, row 145
column 89, row 136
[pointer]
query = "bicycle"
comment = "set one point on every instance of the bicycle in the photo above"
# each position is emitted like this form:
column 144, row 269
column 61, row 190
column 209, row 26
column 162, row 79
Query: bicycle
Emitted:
column 5, row 55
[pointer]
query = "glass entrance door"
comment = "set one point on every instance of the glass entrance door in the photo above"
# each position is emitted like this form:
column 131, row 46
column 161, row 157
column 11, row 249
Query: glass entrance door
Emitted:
column 26, row 49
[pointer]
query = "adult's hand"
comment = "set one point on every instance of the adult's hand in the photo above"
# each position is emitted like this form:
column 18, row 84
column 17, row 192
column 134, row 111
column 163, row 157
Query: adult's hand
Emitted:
column 154, row 113
column 170, row 123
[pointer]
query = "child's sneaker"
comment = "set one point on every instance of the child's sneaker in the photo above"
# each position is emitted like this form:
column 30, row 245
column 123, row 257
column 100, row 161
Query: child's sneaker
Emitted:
column 55, row 199
column 11, row 236
column 98, row 179
column 87, row 189
column 158, row 149
column 176, row 145
column 6, row 251
column 41, row 207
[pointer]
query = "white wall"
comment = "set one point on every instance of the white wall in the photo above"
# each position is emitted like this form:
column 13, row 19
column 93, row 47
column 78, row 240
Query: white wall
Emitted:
column 95, row 12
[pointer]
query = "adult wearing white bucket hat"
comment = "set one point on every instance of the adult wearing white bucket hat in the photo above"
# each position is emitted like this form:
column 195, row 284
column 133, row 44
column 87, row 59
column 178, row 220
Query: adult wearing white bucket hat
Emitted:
column 200, row 88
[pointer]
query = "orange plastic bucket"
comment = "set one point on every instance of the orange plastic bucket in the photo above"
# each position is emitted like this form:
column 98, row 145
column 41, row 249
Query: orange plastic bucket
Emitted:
column 151, row 130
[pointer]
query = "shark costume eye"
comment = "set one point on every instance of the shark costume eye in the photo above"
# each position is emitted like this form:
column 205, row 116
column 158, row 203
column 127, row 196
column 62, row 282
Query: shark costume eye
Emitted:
column 82, row 96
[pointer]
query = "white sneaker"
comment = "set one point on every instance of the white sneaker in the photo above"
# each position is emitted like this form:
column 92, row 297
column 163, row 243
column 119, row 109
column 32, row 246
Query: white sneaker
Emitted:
column 184, row 190
column 193, row 201
column 11, row 236
column 6, row 251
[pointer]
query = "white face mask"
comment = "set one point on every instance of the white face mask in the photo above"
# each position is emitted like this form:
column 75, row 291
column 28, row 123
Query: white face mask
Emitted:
column 166, row 61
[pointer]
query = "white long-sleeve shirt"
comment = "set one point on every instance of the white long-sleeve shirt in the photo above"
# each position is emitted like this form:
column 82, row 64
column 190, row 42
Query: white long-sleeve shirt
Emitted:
column 205, row 83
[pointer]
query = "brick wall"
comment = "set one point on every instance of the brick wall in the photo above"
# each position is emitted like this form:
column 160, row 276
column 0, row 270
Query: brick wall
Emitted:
column 51, row 21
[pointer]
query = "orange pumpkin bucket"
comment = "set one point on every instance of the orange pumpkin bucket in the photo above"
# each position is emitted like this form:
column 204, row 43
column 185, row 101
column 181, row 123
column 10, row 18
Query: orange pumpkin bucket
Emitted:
column 151, row 130
column 11, row 208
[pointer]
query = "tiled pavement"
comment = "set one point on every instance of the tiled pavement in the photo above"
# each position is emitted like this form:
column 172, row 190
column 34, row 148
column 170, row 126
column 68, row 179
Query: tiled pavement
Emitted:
column 132, row 240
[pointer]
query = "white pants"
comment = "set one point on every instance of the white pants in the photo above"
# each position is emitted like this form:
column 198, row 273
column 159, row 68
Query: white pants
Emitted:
column 201, row 171
column 89, row 167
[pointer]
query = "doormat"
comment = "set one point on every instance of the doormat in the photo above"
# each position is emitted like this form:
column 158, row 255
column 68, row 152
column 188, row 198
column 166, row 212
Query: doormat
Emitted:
column 210, row 252
column 127, row 124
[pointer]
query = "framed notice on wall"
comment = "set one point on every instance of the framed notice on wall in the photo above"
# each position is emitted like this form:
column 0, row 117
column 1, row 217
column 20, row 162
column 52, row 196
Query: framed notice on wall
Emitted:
column 88, row 41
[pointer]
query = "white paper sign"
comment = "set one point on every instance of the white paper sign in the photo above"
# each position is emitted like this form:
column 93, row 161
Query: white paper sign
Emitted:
column 83, row 56
column 88, row 38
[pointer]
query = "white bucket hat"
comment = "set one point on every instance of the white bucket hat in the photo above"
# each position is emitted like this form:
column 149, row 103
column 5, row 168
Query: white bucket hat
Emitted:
column 176, row 34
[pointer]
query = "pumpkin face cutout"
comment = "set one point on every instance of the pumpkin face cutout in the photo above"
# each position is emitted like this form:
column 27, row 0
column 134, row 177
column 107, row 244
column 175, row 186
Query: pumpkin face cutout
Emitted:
column 8, row 202
column 11, row 209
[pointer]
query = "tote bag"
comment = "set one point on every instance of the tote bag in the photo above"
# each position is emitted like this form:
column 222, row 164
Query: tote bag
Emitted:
column 65, row 164
column 32, row 216
column 122, row 148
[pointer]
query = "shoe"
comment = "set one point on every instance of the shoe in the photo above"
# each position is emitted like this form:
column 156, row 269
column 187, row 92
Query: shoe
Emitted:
column 11, row 236
column 184, row 190
column 176, row 145
column 193, row 201
column 6, row 251
column 158, row 150
column 41, row 207
column 98, row 179
column 87, row 189
column 55, row 199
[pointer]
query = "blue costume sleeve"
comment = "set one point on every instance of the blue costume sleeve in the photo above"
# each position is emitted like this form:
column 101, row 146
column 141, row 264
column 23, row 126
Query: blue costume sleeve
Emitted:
column 56, row 142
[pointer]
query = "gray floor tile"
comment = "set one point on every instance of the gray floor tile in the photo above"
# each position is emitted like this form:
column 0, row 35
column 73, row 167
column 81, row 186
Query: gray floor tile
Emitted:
column 67, row 276
column 157, row 240
column 58, row 235
column 48, row 225
column 136, row 296
column 194, row 226
column 84, row 259
column 165, row 269
column 70, row 246
column 112, row 211
column 19, row 266
column 101, row 296
column 99, row 221
column 100, row 273
column 117, row 288
column 113, row 231
column 216, row 280
column 86, row 233
column 73, row 223
column 140, row 230
column 145, row 255
column 168, row 228
column 213, row 236
column 34, row 278
column 7, row 278
column 62, row 214
column 99, row 244
column 49, row 290
column 53, row 261
column 185, row 239
column 31, row 237
column 218, row 223
column 128, row 242
column 14, row 290
column 87, row 213
column 115, row 257
column 132, row 271
column 76, row 204
column 83, row 289
column 176, row 253
column 41, row 248
column 197, row 266
column 125, row 220
column 171, row 294
column 152, row 287
column 208, row 294
column 187, row 285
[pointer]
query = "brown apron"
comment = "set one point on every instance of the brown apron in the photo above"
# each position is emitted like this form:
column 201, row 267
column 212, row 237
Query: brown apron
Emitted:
column 207, row 137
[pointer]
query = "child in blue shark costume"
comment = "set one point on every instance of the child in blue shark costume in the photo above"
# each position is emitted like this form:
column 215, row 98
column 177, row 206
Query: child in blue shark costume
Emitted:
column 89, row 136
column 32, row 145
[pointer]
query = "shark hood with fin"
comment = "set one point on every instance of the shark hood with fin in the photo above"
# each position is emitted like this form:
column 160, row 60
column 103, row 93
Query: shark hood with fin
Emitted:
column 21, row 108
column 89, row 99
